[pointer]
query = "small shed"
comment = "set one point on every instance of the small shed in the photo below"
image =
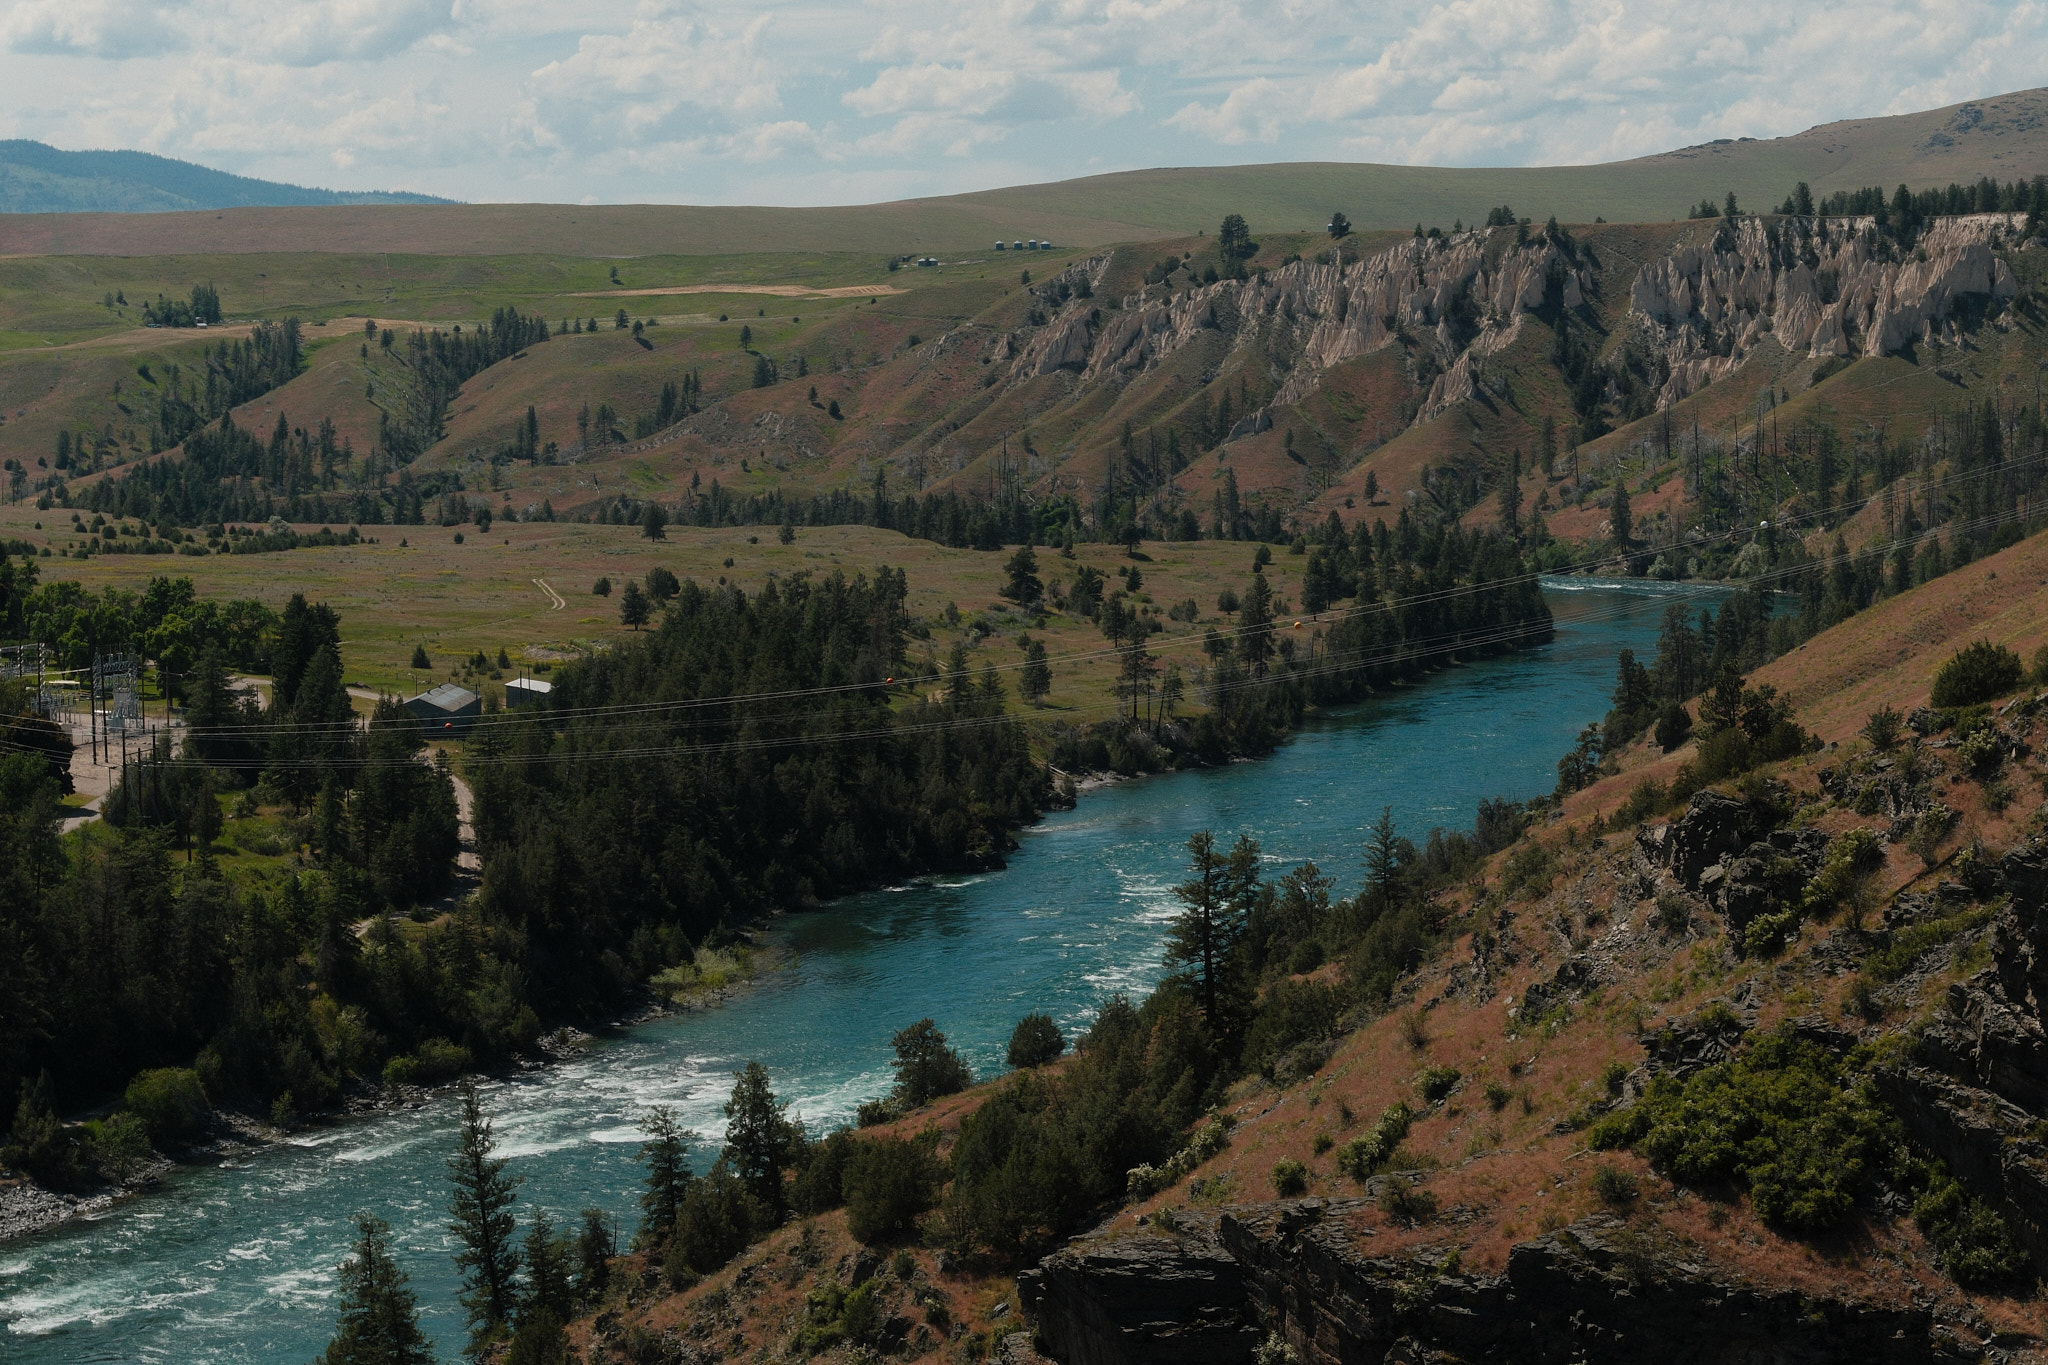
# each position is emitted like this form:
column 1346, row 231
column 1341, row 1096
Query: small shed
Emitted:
column 526, row 692
column 446, row 710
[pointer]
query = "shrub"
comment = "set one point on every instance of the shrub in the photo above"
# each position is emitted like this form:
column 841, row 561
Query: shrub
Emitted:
column 1274, row 1350
column 1883, row 729
column 170, row 1102
column 1408, row 1203
column 1528, row 871
column 2039, row 673
column 1363, row 1155
column 1437, row 1082
column 1036, row 1041
column 1862, row 1000
column 717, row 1221
column 432, row 1062
column 1781, row 1120
column 1977, row 672
column 117, row 1146
column 1323, row 1143
column 874, row 1113
column 1414, row 1031
column 834, row 1314
column 1924, row 839
column 1497, row 1096
column 1674, row 727
column 1290, row 1178
column 1292, row 1012
column 1211, row 1138
column 889, row 1183
column 1614, row 1185
column 820, row 1178
column 1674, row 912
column 1908, row 945
column 1648, row 797
column 1983, row 752
column 1973, row 1244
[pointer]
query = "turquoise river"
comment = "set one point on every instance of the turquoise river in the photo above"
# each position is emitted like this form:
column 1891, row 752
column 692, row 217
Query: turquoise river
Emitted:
column 235, row 1262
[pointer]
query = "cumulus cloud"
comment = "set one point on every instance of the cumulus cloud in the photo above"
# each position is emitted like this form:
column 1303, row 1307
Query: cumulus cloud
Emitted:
column 1253, row 112
column 91, row 28
column 818, row 99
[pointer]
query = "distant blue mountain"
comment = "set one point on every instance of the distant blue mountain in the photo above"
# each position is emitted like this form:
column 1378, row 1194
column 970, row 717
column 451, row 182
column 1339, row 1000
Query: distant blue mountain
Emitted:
column 38, row 178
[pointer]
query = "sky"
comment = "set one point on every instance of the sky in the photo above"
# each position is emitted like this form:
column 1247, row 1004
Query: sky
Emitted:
column 728, row 101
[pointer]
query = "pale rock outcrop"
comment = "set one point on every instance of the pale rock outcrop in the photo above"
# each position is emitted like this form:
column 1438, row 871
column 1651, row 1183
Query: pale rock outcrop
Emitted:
column 1828, row 287
column 1824, row 287
column 1441, row 291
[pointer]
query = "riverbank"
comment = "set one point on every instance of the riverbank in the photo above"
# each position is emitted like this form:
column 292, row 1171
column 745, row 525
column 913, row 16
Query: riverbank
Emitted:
column 28, row 1208
column 717, row 974
column 242, row 1253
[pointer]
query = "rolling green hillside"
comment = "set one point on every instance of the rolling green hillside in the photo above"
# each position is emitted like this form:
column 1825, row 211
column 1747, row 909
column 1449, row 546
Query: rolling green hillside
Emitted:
column 2004, row 136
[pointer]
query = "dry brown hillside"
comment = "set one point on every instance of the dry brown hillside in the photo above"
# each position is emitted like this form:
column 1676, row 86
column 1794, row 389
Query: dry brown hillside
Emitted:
column 1596, row 970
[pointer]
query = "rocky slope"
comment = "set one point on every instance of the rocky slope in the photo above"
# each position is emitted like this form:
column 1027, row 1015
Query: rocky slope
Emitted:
column 1627, row 964
column 1827, row 287
column 1823, row 286
column 1597, row 965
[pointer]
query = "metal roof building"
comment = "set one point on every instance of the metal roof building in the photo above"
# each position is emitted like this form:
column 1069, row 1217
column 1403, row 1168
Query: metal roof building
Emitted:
column 446, row 710
column 527, row 692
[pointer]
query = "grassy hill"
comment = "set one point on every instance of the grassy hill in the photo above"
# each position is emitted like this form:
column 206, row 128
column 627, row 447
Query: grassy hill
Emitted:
column 2004, row 136
column 38, row 178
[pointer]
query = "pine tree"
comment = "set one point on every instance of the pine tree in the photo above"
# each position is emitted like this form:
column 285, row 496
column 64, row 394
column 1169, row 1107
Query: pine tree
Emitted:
column 1511, row 497
column 480, row 1214
column 1255, row 625
column 926, row 1067
column 668, row 1176
column 549, row 1290
column 1208, row 928
column 760, row 1140
column 1383, row 872
column 379, row 1322
column 654, row 522
column 1024, row 587
column 1621, row 524
column 1036, row 679
column 595, row 1247
column 633, row 606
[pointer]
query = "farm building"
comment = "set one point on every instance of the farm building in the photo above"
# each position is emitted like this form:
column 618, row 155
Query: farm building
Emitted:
column 526, row 692
column 447, row 709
